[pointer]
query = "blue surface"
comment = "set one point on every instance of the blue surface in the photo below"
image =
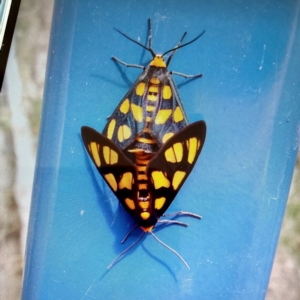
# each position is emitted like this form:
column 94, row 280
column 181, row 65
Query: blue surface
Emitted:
column 249, row 98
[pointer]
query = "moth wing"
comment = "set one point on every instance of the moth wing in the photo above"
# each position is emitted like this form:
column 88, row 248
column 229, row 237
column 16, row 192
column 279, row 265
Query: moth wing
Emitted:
column 115, row 168
column 170, row 167
column 127, row 121
column 171, row 117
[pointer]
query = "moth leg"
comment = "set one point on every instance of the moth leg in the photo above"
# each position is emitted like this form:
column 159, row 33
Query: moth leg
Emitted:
column 128, row 234
column 173, row 222
column 185, row 75
column 127, row 65
column 182, row 213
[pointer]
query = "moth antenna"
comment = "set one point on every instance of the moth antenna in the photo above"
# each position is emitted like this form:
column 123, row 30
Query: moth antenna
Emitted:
column 175, row 49
column 149, row 34
column 138, row 43
column 125, row 251
column 128, row 234
column 168, row 247
column 192, row 41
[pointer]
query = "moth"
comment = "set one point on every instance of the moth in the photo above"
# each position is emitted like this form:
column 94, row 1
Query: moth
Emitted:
column 152, row 107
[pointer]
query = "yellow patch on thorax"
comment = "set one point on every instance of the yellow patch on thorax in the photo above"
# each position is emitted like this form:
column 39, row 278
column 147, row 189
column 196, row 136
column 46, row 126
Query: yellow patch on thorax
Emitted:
column 158, row 61
column 154, row 80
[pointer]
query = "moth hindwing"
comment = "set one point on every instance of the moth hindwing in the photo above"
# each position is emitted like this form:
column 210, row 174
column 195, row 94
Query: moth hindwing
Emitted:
column 152, row 102
column 148, row 187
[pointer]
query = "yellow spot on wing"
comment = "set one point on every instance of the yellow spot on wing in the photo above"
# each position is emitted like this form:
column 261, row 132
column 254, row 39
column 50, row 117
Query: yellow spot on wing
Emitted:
column 106, row 154
column 162, row 116
column 170, row 155
column 177, row 179
column 113, row 157
column 160, row 180
column 144, row 204
column 124, row 133
column 178, row 115
column 130, row 203
column 110, row 156
column 178, row 150
column 124, row 106
column 120, row 134
column 95, row 154
column 167, row 92
column 137, row 112
column 140, row 89
column 159, row 202
column 126, row 181
column 192, row 149
column 111, row 180
column 145, row 215
column 111, row 128
column 167, row 136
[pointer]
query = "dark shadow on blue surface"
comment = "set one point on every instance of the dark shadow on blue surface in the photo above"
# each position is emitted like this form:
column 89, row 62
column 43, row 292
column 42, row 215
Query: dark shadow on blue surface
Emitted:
column 114, row 82
column 115, row 220
column 161, row 262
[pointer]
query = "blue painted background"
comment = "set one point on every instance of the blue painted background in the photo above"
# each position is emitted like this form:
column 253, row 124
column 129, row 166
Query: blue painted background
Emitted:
column 249, row 98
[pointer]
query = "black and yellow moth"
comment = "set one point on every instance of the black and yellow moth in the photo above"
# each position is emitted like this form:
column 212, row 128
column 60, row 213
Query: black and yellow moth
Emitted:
column 147, row 188
column 152, row 107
